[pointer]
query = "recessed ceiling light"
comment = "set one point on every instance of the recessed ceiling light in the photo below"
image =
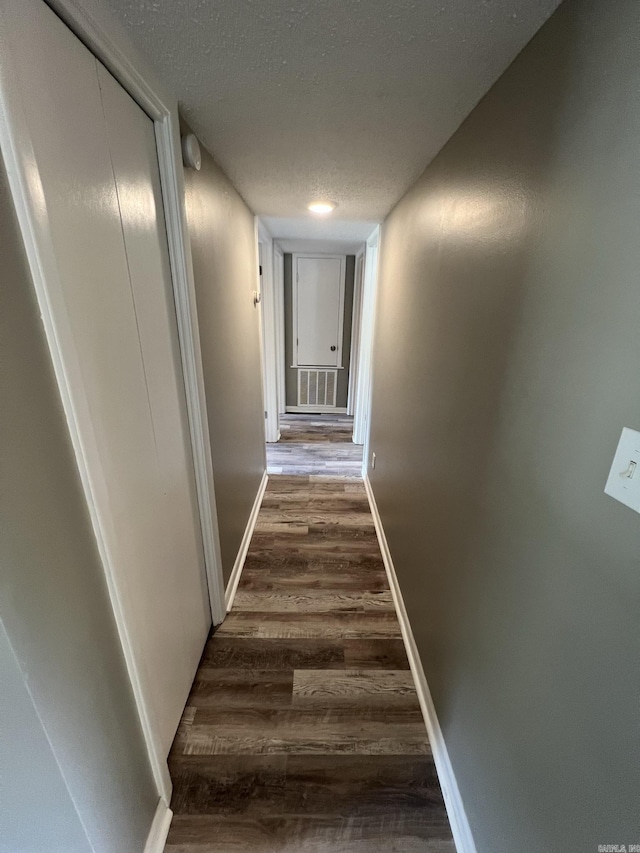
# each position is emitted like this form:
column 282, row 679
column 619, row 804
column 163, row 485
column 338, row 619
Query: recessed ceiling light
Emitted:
column 321, row 207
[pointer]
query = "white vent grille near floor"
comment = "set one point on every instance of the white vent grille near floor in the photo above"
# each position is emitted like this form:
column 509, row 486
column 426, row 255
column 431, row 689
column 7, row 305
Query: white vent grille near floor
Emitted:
column 317, row 387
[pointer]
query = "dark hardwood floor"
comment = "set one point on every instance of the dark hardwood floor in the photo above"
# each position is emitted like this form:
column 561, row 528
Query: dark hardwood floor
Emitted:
column 303, row 730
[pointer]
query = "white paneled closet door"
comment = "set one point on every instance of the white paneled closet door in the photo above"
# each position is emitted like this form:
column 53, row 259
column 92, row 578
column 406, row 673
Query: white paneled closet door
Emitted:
column 93, row 178
column 181, row 590
column 319, row 306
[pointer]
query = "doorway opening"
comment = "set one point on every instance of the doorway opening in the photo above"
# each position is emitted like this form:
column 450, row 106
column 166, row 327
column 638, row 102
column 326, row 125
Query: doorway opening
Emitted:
column 317, row 323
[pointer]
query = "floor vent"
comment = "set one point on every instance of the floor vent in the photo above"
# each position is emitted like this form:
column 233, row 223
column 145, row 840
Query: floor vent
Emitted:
column 317, row 387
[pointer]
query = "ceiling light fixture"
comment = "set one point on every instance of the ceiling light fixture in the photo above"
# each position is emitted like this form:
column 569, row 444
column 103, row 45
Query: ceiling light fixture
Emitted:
column 322, row 208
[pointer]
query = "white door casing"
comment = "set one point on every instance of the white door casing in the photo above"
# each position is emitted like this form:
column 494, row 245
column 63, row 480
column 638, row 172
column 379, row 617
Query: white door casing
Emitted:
column 356, row 325
column 278, row 287
column 318, row 310
column 268, row 328
column 367, row 326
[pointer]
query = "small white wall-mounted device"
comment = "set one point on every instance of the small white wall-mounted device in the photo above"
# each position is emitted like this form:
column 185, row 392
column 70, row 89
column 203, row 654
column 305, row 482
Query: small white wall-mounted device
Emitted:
column 191, row 154
column 623, row 482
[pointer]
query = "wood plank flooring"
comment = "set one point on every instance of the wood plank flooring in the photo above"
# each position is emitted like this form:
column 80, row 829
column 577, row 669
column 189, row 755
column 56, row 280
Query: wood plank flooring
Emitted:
column 315, row 444
column 303, row 732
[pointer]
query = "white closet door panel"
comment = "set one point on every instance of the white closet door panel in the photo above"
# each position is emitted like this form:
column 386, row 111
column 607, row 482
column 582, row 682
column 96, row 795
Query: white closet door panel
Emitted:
column 74, row 181
column 319, row 306
column 122, row 424
column 61, row 100
column 132, row 145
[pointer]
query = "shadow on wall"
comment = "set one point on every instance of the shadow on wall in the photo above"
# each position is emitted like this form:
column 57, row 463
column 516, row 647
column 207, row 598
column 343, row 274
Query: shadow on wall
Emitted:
column 505, row 337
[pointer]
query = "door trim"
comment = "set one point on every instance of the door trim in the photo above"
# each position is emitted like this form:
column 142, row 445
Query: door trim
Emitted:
column 157, row 837
column 268, row 332
column 294, row 302
column 356, row 324
column 362, row 407
column 24, row 180
column 278, row 286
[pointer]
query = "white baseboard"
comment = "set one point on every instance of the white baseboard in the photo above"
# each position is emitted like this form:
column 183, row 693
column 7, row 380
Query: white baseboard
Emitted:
column 317, row 410
column 159, row 828
column 234, row 579
column 453, row 801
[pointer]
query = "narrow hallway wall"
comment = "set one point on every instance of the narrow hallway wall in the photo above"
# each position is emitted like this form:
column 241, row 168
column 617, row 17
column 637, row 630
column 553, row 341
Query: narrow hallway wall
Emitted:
column 507, row 361
column 223, row 247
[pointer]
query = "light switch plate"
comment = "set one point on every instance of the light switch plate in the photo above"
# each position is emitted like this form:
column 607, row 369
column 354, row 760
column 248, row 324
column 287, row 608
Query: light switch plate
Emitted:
column 623, row 483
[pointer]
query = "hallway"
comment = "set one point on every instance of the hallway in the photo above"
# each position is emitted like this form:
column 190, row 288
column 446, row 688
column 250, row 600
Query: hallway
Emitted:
column 303, row 729
column 321, row 434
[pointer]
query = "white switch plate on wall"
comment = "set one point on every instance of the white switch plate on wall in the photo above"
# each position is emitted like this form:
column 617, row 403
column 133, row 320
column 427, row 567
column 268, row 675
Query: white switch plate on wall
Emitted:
column 623, row 483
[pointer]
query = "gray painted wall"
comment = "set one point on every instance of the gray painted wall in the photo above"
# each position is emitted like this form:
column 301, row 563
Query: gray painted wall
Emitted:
column 223, row 247
column 507, row 361
column 291, row 373
column 56, row 613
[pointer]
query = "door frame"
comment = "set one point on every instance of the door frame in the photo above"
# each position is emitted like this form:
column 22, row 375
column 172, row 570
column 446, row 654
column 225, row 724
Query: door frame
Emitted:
column 362, row 413
column 101, row 33
column 268, row 331
column 356, row 325
column 278, row 288
column 294, row 305
column 273, row 332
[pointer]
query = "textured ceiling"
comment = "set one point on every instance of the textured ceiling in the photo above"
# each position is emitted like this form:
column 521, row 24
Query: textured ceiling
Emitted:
column 346, row 100
column 308, row 227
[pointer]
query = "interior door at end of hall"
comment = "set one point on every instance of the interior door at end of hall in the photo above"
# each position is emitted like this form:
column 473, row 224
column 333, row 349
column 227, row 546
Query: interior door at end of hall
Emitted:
column 319, row 306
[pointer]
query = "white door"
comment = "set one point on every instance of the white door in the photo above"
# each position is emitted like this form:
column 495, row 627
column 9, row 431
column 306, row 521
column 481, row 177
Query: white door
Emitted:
column 318, row 314
column 172, row 592
column 93, row 173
